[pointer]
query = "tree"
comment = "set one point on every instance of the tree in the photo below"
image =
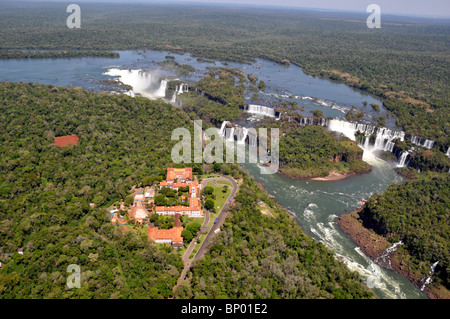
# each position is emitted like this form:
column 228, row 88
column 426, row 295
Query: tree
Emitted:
column 317, row 113
column 262, row 85
column 217, row 167
column 194, row 228
column 375, row 107
column 209, row 204
column 160, row 200
column 128, row 200
column 208, row 190
column 187, row 235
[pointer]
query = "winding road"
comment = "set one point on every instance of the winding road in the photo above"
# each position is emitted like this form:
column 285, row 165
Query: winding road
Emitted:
column 206, row 243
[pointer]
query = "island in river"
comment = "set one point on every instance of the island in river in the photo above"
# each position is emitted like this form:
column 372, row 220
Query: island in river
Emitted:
column 315, row 153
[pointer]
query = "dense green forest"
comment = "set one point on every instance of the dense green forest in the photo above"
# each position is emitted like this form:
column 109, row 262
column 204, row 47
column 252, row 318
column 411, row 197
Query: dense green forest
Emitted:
column 217, row 97
column 417, row 213
column 45, row 192
column 405, row 62
column 258, row 256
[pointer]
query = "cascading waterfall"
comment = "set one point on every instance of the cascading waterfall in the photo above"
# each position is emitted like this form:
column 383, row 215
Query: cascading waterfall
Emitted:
column 308, row 121
column 422, row 142
column 387, row 253
column 149, row 83
column 222, row 128
column 384, row 137
column 305, row 121
column 448, row 152
column 229, row 134
column 174, row 98
column 260, row 109
column 428, row 279
column 179, row 89
column 242, row 134
column 252, row 139
column 402, row 162
column 162, row 89
column 182, row 88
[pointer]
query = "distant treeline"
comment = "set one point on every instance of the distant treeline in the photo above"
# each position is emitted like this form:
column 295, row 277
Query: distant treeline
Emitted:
column 18, row 54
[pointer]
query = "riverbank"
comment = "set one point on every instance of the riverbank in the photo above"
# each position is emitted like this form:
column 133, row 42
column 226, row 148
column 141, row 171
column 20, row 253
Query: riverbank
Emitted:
column 279, row 206
column 375, row 245
column 331, row 177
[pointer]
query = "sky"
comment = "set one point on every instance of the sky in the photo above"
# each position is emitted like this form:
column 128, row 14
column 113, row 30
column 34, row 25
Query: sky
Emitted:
column 437, row 8
column 425, row 8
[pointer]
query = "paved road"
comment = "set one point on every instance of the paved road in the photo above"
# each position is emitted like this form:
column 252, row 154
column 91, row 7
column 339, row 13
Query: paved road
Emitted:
column 222, row 215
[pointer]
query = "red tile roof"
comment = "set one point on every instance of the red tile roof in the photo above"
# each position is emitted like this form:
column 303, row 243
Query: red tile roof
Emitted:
column 179, row 173
column 193, row 196
column 66, row 140
column 174, row 234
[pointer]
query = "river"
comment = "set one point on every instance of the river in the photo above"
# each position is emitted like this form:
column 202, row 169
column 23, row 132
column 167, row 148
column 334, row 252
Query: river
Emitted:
column 315, row 205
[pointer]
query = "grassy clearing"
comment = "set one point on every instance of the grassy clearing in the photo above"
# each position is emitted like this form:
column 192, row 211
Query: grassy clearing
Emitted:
column 224, row 183
column 221, row 197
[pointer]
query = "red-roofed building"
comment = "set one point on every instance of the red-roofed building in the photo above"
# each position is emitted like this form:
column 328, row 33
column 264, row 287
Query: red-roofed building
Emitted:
column 183, row 175
column 166, row 236
column 195, row 207
column 66, row 140
column 138, row 213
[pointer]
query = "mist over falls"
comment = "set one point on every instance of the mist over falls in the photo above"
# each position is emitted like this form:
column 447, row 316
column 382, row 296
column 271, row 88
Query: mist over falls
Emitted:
column 151, row 84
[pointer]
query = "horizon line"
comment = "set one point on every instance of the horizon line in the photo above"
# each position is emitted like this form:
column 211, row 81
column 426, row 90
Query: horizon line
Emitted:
column 228, row 4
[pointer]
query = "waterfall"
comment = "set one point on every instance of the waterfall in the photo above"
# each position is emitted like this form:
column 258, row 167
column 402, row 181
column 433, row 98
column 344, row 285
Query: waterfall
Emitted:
column 179, row 89
column 304, row 121
column 448, row 152
column 428, row 279
column 182, row 88
column 252, row 140
column 261, row 109
column 229, row 134
column 433, row 266
column 422, row 142
column 387, row 253
column 174, row 98
column 243, row 132
column 222, row 128
column 149, row 83
column 384, row 137
column 402, row 161
column 162, row 89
